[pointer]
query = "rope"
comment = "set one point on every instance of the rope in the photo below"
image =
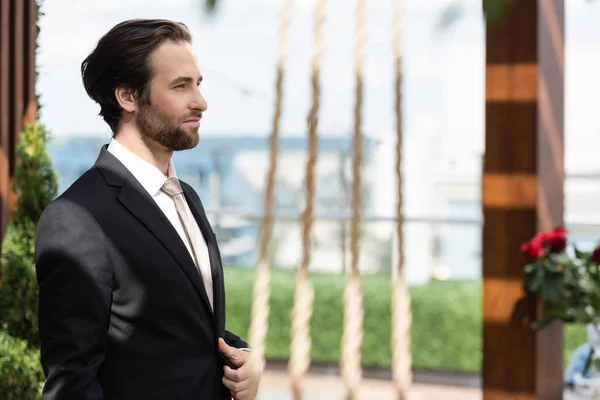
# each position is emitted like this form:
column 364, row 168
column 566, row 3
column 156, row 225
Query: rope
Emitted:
column 260, row 305
column 304, row 294
column 401, row 315
column 353, row 312
column 300, row 344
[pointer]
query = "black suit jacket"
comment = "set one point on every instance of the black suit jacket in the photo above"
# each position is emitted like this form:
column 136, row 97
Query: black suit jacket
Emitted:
column 123, row 313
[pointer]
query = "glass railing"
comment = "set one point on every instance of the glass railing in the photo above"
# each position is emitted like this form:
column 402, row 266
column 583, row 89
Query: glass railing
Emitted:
column 434, row 248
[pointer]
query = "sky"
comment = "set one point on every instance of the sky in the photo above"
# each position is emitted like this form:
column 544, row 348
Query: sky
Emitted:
column 443, row 92
column 237, row 50
column 443, row 88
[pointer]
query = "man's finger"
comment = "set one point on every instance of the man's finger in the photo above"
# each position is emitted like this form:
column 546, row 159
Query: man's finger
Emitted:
column 236, row 375
column 227, row 350
column 245, row 371
column 236, row 387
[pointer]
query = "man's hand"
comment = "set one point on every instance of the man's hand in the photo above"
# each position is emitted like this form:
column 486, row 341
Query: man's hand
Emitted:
column 242, row 382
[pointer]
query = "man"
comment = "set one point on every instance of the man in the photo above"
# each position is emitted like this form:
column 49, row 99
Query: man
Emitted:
column 132, row 301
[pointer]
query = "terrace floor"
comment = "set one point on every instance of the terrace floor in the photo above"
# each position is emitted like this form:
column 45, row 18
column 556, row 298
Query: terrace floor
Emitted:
column 328, row 386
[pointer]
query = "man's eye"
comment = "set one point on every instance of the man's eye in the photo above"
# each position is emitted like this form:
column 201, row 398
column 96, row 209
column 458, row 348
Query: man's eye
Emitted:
column 180, row 86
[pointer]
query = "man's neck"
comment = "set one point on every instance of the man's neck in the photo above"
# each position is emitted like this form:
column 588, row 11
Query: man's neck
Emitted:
column 153, row 153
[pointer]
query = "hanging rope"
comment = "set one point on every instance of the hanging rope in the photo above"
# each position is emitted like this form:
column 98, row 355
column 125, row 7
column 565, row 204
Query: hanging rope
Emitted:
column 260, row 305
column 401, row 316
column 353, row 312
column 304, row 294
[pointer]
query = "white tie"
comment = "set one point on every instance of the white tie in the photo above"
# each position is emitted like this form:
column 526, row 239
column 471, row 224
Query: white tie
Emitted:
column 173, row 189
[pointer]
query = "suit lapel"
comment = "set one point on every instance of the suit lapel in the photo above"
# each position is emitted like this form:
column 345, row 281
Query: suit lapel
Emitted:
column 139, row 203
column 215, row 265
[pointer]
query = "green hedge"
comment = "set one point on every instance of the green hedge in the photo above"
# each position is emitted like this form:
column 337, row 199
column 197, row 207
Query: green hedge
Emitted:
column 36, row 184
column 21, row 376
column 446, row 320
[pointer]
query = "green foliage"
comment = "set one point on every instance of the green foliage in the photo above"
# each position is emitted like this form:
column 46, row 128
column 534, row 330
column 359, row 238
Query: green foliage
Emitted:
column 35, row 183
column 568, row 286
column 210, row 5
column 446, row 325
column 446, row 320
column 21, row 376
column 494, row 9
column 35, row 180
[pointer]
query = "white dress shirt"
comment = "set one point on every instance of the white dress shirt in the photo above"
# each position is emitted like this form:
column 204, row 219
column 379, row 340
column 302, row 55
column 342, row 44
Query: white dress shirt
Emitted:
column 152, row 179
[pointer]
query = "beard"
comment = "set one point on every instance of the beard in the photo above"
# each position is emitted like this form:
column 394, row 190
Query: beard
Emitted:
column 157, row 126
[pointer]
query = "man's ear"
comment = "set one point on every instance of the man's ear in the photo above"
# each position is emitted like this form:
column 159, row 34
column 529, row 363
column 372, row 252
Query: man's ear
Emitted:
column 126, row 99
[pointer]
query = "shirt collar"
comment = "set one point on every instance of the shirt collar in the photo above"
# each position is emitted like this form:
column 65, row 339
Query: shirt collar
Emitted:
column 150, row 177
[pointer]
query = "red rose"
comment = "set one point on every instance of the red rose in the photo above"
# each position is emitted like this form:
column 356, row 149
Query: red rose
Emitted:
column 542, row 238
column 596, row 255
column 532, row 251
column 558, row 240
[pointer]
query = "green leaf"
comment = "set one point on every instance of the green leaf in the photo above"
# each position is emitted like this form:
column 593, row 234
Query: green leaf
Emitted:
column 541, row 323
column 529, row 268
column 535, row 280
column 552, row 289
column 493, row 9
column 210, row 5
column 555, row 311
column 560, row 258
column 580, row 255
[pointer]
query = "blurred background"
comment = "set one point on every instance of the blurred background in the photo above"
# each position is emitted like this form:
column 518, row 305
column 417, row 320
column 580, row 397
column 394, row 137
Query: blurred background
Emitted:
column 443, row 121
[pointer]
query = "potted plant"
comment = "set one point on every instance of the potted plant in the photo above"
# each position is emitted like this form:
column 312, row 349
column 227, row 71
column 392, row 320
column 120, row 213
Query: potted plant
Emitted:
column 567, row 281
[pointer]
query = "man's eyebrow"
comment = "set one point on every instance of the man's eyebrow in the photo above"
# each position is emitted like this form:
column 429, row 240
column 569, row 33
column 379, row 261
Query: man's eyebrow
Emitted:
column 185, row 79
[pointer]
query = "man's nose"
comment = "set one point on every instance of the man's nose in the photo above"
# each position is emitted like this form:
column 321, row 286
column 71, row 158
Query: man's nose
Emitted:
column 199, row 103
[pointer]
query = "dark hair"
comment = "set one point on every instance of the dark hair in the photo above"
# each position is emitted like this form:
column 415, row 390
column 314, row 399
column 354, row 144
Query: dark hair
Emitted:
column 120, row 59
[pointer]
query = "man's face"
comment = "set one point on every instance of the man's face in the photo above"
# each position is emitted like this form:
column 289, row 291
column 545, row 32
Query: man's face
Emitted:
column 171, row 114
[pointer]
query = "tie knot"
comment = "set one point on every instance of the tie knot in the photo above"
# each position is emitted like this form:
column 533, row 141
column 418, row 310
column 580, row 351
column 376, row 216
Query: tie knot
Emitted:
column 172, row 187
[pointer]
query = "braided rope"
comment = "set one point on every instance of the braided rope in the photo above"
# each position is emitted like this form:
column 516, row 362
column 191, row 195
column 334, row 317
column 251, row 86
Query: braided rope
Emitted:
column 304, row 294
column 260, row 305
column 353, row 312
column 352, row 338
column 300, row 343
column 401, row 315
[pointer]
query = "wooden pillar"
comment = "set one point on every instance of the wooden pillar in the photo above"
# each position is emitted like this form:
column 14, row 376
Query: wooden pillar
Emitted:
column 18, row 107
column 522, row 193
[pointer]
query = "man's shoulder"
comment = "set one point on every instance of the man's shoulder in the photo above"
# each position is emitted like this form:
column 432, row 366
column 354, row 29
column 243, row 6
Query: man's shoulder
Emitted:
column 81, row 197
column 89, row 184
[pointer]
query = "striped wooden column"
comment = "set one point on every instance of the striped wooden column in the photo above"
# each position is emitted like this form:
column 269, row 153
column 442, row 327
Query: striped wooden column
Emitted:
column 522, row 193
column 17, row 88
